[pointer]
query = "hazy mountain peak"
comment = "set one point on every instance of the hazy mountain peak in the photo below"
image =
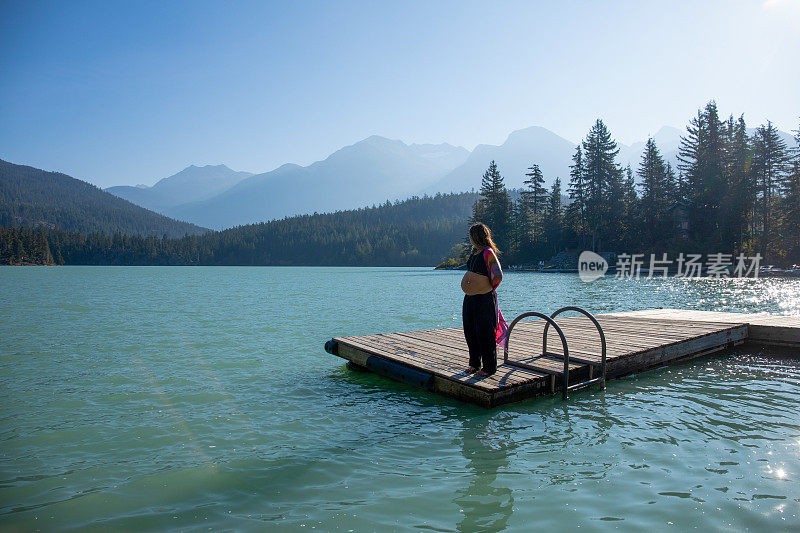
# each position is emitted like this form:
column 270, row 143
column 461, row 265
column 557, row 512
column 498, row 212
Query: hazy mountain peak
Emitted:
column 288, row 166
column 191, row 184
column 444, row 146
column 531, row 134
column 667, row 131
column 667, row 137
column 521, row 149
column 377, row 141
column 380, row 139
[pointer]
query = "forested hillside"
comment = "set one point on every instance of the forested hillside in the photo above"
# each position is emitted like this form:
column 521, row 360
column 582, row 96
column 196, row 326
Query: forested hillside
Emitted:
column 732, row 193
column 415, row 232
column 33, row 197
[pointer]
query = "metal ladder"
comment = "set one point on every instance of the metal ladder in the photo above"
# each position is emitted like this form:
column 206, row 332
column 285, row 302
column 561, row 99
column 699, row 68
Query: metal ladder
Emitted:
column 550, row 321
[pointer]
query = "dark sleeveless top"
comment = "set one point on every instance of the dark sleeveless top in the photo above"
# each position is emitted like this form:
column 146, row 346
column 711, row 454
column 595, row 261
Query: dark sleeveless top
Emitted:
column 477, row 264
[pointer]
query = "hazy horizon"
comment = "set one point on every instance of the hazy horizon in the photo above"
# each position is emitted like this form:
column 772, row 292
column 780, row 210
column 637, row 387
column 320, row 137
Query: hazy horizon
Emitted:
column 129, row 94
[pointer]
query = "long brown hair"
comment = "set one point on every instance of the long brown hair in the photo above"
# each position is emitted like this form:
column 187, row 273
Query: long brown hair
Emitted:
column 480, row 236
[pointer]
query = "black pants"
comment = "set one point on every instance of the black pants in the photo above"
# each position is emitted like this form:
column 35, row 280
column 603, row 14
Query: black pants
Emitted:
column 480, row 321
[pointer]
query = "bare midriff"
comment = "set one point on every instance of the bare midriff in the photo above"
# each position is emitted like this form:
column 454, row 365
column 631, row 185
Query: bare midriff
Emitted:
column 473, row 283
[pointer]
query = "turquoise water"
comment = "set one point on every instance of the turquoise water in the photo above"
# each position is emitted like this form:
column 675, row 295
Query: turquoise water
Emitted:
column 148, row 398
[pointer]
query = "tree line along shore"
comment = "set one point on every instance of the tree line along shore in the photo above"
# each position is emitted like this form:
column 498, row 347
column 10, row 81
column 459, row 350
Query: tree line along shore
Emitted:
column 732, row 192
column 414, row 232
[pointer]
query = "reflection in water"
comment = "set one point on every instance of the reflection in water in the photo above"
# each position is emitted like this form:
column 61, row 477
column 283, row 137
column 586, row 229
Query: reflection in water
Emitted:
column 572, row 430
column 484, row 502
column 495, row 445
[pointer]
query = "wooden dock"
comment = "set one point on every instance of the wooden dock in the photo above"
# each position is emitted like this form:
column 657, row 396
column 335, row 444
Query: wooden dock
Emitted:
column 636, row 341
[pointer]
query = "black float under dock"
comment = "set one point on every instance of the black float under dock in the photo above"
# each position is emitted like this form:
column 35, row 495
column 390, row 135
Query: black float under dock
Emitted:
column 635, row 341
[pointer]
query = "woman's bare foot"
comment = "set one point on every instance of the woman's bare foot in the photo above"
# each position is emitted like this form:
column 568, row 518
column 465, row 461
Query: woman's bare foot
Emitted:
column 481, row 373
column 471, row 370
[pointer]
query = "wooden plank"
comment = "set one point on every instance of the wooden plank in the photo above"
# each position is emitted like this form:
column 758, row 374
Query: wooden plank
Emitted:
column 458, row 389
column 550, row 363
column 522, row 341
column 616, row 344
column 532, row 347
column 633, row 332
column 530, row 343
column 447, row 367
column 375, row 347
column 658, row 356
column 777, row 330
column 443, row 386
column 463, row 361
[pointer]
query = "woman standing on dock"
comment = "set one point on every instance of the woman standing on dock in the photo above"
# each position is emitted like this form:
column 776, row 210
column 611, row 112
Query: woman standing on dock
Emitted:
column 484, row 326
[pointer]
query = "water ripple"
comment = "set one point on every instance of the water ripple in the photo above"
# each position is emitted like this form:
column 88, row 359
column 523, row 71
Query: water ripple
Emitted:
column 188, row 398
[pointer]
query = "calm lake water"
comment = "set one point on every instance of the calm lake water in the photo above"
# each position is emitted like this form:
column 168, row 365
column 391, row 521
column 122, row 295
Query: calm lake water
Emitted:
column 149, row 398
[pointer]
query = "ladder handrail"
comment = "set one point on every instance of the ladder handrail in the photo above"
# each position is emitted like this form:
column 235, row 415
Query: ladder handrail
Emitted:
column 548, row 321
column 599, row 331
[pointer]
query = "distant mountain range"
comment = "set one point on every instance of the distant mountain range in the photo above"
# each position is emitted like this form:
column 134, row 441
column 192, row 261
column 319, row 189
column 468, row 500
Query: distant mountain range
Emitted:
column 33, row 197
column 551, row 152
column 367, row 173
column 191, row 184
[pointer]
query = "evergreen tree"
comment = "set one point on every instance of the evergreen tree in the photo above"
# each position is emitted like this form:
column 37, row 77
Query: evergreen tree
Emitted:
column 601, row 173
column 577, row 194
column 522, row 229
column 631, row 219
column 656, row 192
column 478, row 214
column 535, row 193
column 681, row 189
column 530, row 208
column 702, row 157
column 612, row 227
column 770, row 165
column 18, row 253
column 495, row 207
column 790, row 226
column 673, row 194
column 739, row 200
column 553, row 219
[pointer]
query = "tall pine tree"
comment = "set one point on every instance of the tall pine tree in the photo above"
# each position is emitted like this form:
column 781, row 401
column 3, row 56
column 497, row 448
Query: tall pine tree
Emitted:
column 553, row 219
column 770, row 165
column 656, row 193
column 631, row 222
column 739, row 200
column 494, row 207
column 702, row 155
column 790, row 226
column 602, row 174
column 530, row 208
column 577, row 194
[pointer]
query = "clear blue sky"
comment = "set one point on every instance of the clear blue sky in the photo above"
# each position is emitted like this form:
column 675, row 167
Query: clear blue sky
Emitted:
column 130, row 92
